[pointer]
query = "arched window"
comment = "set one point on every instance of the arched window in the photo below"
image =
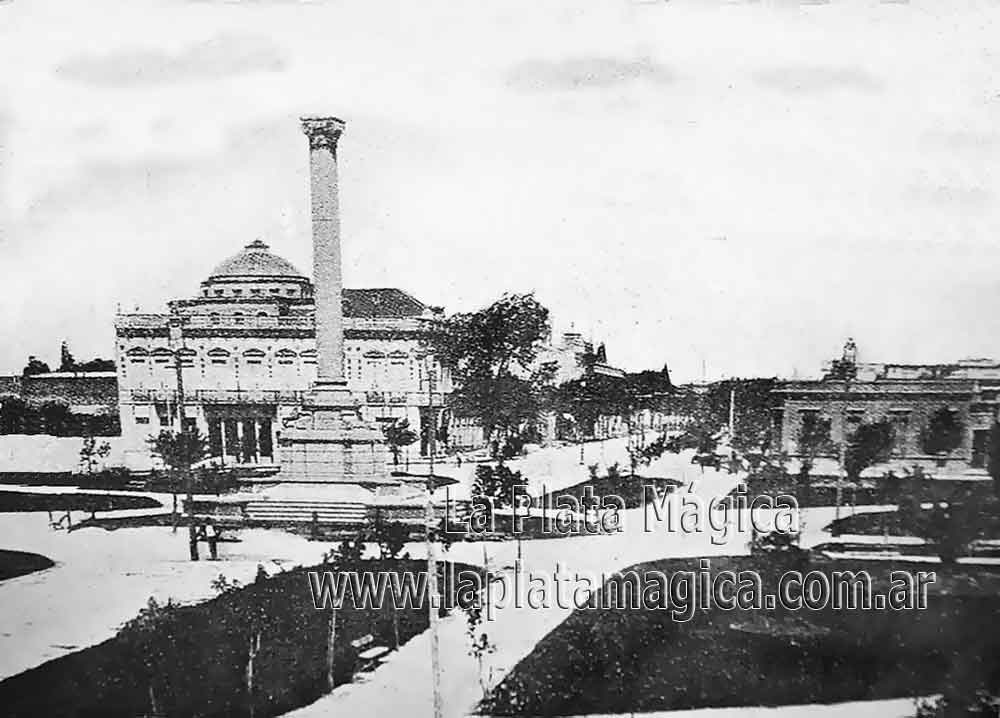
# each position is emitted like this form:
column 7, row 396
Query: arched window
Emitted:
column 238, row 317
column 308, row 356
column 137, row 355
column 375, row 365
column 253, row 356
column 188, row 357
column 218, row 356
column 162, row 355
column 285, row 357
column 399, row 370
column 262, row 314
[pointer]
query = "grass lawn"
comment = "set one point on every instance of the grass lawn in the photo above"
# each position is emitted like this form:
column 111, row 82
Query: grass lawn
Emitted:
column 17, row 501
column 629, row 488
column 193, row 660
column 620, row 661
column 869, row 492
column 984, row 524
column 19, row 563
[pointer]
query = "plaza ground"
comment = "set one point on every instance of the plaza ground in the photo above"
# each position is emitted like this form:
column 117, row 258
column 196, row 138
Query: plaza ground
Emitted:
column 101, row 579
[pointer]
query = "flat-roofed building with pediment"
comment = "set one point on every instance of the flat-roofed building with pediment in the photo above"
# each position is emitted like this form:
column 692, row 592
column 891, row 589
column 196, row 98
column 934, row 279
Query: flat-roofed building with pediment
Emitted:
column 907, row 396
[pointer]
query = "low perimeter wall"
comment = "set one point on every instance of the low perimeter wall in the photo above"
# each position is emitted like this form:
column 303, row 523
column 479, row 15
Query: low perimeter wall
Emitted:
column 42, row 453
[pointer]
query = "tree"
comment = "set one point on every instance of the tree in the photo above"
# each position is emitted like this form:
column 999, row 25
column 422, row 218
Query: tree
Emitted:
column 753, row 400
column 398, row 434
column 496, row 483
column 91, row 452
column 247, row 618
column 480, row 646
column 178, row 450
column 96, row 364
column 35, row 366
column 391, row 537
column 943, row 433
column 993, row 457
column 590, row 397
column 13, row 414
column 149, row 643
column 950, row 528
column 492, row 355
column 346, row 557
column 870, row 444
column 55, row 417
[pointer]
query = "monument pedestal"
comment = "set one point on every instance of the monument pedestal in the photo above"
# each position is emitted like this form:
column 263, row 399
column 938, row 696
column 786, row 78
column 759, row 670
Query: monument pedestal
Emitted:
column 329, row 442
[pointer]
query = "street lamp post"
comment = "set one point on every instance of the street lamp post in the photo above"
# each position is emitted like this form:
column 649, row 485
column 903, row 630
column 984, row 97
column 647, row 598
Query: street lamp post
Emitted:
column 177, row 339
column 842, row 469
column 432, row 585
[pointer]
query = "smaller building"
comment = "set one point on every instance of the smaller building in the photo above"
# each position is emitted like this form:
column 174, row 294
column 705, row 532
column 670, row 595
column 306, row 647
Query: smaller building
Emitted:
column 908, row 396
column 60, row 403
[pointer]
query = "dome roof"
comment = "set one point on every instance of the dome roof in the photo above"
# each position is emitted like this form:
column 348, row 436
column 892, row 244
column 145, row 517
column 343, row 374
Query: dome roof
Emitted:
column 255, row 261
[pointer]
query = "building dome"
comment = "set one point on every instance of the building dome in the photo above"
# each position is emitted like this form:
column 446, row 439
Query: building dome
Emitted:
column 255, row 262
column 256, row 274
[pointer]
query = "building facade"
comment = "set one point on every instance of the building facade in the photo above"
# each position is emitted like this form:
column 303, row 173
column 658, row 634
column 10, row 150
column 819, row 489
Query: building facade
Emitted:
column 908, row 396
column 246, row 351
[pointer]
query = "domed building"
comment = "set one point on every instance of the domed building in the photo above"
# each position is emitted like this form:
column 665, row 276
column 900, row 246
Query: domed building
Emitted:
column 255, row 272
column 247, row 351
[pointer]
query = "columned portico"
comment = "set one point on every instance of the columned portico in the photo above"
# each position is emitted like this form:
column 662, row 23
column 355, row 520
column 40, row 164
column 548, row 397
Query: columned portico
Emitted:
column 238, row 438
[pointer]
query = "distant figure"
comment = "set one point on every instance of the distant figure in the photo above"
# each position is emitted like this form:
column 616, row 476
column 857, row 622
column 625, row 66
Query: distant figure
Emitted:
column 212, row 537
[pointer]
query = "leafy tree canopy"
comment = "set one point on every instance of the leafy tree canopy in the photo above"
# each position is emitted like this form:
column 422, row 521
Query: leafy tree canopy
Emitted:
column 179, row 449
column 398, row 434
column 814, row 437
column 496, row 483
column 870, row 444
column 35, row 366
column 492, row 355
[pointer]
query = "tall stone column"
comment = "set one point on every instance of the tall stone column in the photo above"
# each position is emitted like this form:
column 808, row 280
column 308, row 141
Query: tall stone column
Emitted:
column 323, row 134
column 324, row 442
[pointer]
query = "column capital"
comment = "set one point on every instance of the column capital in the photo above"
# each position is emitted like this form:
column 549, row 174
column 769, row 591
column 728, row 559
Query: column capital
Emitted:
column 323, row 132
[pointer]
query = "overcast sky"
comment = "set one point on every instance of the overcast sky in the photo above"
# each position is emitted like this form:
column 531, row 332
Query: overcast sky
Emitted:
column 739, row 184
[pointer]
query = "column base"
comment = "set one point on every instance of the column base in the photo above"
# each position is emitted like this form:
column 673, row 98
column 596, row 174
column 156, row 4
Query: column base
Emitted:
column 326, row 393
column 329, row 442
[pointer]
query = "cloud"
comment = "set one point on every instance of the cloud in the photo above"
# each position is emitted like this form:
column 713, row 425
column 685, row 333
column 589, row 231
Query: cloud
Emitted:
column 583, row 72
column 961, row 139
column 817, row 79
column 4, row 173
column 220, row 57
column 109, row 182
column 949, row 196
